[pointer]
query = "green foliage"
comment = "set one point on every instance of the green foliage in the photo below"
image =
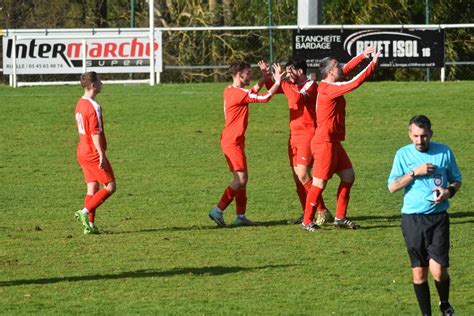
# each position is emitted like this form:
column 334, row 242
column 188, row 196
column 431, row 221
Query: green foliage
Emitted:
column 220, row 48
column 161, row 255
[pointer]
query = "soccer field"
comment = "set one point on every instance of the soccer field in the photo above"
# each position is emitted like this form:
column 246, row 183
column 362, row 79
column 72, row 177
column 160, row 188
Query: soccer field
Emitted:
column 160, row 254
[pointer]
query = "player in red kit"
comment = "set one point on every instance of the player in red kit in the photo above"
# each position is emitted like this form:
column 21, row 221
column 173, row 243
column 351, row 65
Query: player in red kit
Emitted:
column 301, row 93
column 236, row 100
column 91, row 152
column 328, row 153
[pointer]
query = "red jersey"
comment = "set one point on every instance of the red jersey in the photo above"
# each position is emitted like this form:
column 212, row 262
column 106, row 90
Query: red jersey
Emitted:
column 331, row 105
column 301, row 101
column 236, row 101
column 89, row 122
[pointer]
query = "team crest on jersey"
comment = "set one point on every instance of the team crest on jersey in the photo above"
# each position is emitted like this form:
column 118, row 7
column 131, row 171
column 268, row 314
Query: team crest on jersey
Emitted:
column 438, row 179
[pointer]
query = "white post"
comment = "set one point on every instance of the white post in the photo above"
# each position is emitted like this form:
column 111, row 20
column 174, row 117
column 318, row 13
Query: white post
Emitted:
column 309, row 13
column 11, row 80
column 84, row 56
column 14, row 61
column 152, row 42
column 443, row 74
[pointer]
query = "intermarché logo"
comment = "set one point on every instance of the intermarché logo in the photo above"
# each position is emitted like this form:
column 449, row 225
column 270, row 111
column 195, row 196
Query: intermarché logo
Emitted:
column 68, row 52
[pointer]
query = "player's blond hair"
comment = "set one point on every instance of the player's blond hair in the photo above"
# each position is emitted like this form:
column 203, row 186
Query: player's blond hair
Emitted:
column 88, row 78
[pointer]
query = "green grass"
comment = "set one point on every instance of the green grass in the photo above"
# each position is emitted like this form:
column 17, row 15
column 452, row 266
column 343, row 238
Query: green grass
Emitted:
column 161, row 254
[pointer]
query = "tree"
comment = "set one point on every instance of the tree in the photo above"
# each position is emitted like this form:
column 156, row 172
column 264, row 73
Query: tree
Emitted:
column 222, row 47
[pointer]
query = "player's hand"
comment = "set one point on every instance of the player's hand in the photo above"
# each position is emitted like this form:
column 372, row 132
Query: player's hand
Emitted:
column 443, row 194
column 263, row 66
column 277, row 73
column 102, row 161
column 367, row 51
column 424, row 169
column 264, row 69
column 376, row 56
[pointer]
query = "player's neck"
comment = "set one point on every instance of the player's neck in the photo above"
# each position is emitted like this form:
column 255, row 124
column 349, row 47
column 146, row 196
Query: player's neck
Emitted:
column 89, row 94
column 302, row 80
column 238, row 83
column 329, row 79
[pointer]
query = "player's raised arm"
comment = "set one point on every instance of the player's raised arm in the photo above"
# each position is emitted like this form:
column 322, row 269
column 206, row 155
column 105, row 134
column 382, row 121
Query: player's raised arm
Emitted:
column 336, row 88
column 265, row 76
column 354, row 62
column 265, row 97
column 278, row 74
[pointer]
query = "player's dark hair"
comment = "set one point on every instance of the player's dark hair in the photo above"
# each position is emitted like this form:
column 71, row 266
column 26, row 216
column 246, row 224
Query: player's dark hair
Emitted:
column 325, row 66
column 89, row 78
column 238, row 66
column 421, row 121
column 297, row 63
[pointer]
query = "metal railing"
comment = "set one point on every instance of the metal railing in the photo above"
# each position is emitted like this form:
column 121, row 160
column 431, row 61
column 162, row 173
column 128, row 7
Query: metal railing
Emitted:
column 145, row 32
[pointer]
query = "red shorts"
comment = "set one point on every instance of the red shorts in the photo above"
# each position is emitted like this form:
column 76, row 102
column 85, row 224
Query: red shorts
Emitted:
column 235, row 156
column 299, row 150
column 329, row 158
column 92, row 172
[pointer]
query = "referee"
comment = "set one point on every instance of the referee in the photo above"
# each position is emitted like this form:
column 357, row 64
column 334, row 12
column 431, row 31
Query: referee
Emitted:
column 428, row 173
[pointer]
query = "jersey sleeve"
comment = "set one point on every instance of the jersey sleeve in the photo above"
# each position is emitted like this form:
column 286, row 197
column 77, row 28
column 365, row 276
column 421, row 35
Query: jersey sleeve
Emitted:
column 295, row 95
column 398, row 169
column 253, row 97
column 93, row 120
column 308, row 89
column 352, row 64
column 336, row 89
column 253, row 90
column 270, row 83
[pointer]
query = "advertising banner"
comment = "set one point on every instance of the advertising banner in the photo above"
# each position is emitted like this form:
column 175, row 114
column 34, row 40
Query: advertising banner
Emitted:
column 38, row 54
column 404, row 48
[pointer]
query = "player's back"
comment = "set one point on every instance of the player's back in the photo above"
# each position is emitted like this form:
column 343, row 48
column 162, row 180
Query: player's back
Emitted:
column 236, row 115
column 330, row 113
column 301, row 103
column 88, row 115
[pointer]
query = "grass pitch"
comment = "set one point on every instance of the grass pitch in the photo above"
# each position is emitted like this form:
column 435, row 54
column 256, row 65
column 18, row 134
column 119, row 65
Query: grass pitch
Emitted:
column 160, row 254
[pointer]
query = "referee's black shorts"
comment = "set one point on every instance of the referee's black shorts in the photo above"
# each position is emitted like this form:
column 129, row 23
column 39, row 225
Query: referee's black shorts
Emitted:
column 427, row 237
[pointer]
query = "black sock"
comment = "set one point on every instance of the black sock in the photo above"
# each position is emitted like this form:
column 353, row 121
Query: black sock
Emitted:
column 422, row 292
column 443, row 290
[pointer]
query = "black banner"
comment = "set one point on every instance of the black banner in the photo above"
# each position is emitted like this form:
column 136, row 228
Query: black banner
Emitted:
column 400, row 48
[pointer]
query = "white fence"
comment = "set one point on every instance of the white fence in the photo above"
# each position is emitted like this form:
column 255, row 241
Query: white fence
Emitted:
column 147, row 32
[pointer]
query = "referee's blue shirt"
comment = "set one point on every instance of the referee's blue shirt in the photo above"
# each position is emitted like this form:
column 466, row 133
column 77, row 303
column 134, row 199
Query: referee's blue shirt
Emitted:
column 418, row 198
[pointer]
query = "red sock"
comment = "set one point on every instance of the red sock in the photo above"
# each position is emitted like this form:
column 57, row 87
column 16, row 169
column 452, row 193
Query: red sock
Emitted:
column 343, row 195
column 308, row 185
column 320, row 202
column 98, row 199
column 313, row 195
column 321, row 205
column 226, row 198
column 302, row 192
column 241, row 202
column 91, row 212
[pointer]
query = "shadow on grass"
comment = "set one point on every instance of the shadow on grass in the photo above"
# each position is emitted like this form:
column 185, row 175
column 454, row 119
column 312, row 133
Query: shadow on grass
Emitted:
column 284, row 222
column 399, row 216
column 376, row 218
column 205, row 271
column 461, row 214
column 162, row 229
column 195, row 227
column 281, row 222
column 397, row 219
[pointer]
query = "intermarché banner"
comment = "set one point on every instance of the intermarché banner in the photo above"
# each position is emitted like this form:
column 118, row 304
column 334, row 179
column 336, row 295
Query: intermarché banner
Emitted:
column 400, row 48
column 65, row 56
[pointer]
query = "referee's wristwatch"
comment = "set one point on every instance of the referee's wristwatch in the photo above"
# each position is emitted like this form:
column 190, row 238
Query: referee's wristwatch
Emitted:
column 412, row 174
